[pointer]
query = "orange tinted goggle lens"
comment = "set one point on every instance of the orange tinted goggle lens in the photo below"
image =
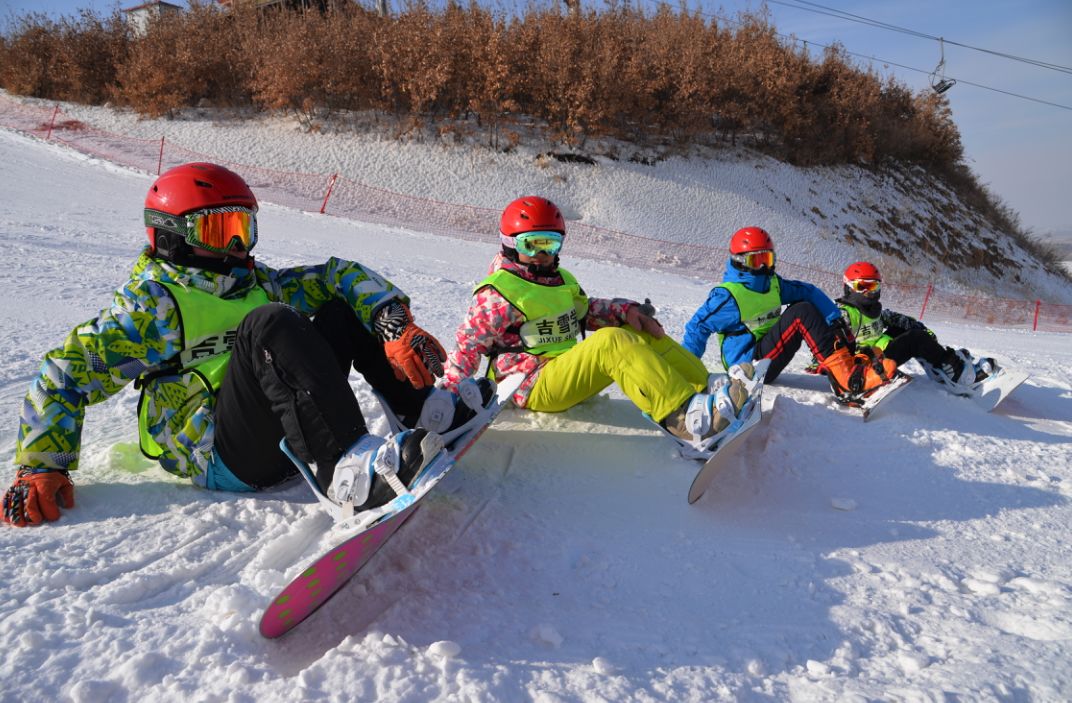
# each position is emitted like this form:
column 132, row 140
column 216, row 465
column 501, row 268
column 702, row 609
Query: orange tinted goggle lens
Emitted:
column 865, row 285
column 219, row 230
column 759, row 259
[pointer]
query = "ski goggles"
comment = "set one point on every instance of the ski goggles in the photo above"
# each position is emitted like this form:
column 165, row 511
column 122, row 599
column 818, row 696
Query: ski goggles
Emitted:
column 532, row 243
column 218, row 229
column 756, row 260
column 864, row 285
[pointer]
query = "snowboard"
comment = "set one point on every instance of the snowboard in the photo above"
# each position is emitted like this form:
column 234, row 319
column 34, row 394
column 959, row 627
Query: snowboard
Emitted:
column 369, row 530
column 993, row 390
column 879, row 398
column 868, row 405
column 988, row 393
column 713, row 459
column 725, row 450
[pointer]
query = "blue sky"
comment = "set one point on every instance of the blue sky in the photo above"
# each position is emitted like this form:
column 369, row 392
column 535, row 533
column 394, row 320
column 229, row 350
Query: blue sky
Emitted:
column 1021, row 149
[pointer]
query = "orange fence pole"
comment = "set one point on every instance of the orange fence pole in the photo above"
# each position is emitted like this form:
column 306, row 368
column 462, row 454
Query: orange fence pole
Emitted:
column 1038, row 305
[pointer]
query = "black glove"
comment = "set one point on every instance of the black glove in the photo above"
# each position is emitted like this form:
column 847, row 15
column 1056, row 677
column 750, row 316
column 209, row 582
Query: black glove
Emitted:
column 843, row 336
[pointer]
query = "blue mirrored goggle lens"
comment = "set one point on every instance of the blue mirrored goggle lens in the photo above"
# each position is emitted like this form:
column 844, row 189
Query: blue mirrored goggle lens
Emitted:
column 532, row 243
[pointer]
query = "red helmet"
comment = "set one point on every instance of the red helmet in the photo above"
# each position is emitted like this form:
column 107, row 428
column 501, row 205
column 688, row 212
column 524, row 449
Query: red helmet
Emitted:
column 531, row 214
column 862, row 270
column 193, row 187
column 750, row 239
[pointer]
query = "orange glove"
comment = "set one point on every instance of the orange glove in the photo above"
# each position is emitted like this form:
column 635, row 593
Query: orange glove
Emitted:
column 33, row 497
column 413, row 353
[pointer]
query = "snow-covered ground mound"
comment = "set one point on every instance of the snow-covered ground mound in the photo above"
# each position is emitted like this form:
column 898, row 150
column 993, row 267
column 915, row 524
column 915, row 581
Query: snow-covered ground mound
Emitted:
column 923, row 556
column 910, row 224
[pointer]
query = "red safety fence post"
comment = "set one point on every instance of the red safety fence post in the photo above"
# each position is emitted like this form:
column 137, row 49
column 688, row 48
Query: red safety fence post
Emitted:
column 331, row 185
column 926, row 297
column 1038, row 305
column 160, row 161
column 52, row 123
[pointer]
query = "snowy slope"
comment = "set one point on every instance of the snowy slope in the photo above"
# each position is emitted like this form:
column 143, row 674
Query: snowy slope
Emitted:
column 923, row 556
column 910, row 224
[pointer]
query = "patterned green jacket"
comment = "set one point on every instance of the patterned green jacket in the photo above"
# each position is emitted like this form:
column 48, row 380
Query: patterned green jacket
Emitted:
column 139, row 332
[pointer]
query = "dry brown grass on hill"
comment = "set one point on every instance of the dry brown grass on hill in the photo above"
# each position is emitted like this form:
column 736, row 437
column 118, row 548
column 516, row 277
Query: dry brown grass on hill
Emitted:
column 664, row 82
column 667, row 79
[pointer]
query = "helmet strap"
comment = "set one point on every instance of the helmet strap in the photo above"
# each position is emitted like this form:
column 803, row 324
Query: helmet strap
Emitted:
column 536, row 270
column 532, row 267
column 869, row 305
column 764, row 271
column 172, row 246
column 510, row 254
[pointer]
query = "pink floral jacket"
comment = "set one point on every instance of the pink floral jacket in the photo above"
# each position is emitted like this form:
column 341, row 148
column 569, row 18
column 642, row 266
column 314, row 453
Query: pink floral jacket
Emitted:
column 492, row 323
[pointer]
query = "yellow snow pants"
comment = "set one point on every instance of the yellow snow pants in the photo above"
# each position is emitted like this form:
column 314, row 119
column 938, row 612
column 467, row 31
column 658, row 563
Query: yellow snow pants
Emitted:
column 658, row 375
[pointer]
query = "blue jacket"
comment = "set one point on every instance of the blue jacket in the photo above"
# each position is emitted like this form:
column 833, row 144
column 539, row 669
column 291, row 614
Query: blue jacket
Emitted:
column 720, row 314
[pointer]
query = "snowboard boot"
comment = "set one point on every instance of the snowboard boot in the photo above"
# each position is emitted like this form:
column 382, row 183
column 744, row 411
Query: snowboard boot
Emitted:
column 703, row 417
column 375, row 470
column 963, row 370
column 444, row 412
column 854, row 377
column 744, row 372
column 953, row 366
column 985, row 367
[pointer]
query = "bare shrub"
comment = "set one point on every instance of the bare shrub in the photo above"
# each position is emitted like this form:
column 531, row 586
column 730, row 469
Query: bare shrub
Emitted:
column 26, row 66
column 653, row 80
column 411, row 59
column 88, row 52
column 185, row 58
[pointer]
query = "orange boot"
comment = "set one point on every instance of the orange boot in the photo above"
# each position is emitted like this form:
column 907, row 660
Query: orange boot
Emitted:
column 855, row 377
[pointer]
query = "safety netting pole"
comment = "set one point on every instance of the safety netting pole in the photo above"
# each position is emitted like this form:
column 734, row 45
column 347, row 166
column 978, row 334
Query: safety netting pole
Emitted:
column 926, row 297
column 331, row 185
column 52, row 123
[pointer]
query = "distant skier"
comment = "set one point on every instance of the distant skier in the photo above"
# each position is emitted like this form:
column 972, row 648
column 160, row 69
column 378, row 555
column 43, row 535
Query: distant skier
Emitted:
column 530, row 315
column 901, row 337
column 228, row 360
column 746, row 312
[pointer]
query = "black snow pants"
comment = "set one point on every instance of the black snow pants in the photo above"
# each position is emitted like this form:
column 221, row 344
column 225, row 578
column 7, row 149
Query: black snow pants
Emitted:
column 915, row 344
column 801, row 322
column 288, row 377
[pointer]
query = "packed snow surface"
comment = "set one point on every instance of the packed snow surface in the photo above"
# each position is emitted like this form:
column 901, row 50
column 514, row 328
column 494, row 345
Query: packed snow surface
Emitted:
column 923, row 556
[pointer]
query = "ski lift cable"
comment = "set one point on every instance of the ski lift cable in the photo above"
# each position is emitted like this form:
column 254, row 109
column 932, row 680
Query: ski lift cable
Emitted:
column 965, row 82
column 834, row 12
column 887, row 62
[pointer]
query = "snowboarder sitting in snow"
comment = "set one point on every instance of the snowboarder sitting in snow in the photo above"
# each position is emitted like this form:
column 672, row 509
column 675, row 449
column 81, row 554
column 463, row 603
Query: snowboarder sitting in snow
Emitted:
column 746, row 312
column 228, row 360
column 901, row 337
column 529, row 315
